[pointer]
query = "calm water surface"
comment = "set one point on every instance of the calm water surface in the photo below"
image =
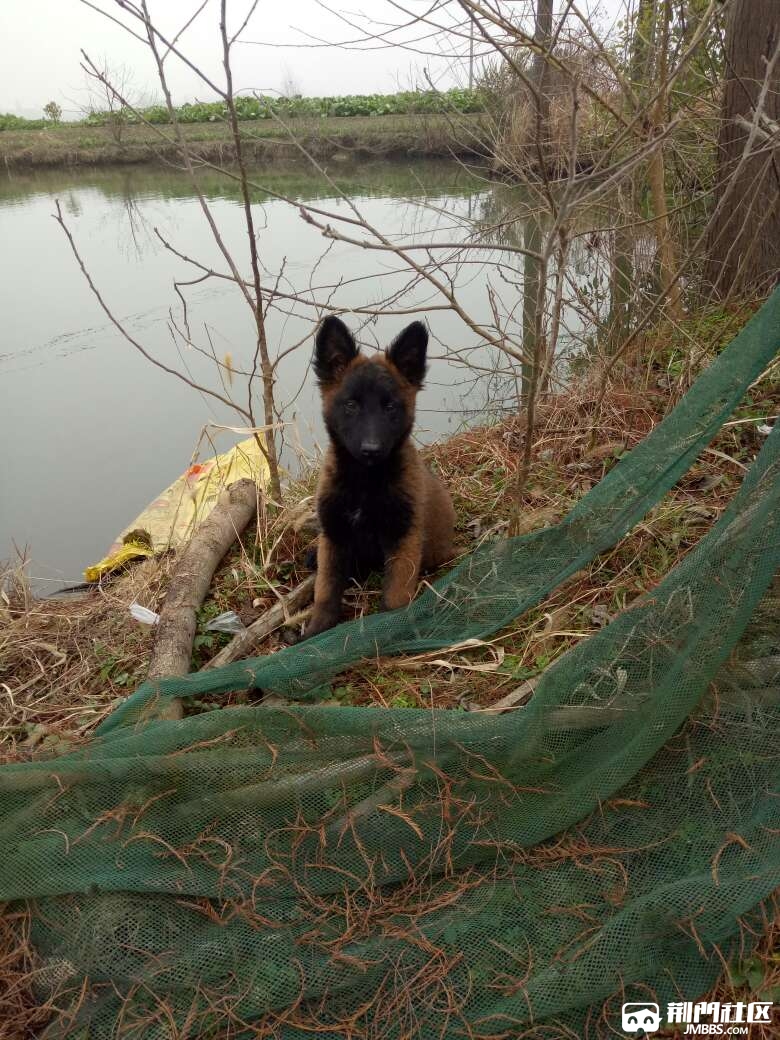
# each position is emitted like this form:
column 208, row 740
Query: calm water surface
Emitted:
column 92, row 431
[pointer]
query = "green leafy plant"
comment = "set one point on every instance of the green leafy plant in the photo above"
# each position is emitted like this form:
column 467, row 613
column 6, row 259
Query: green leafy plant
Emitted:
column 752, row 974
column 11, row 122
column 409, row 102
column 403, row 700
column 113, row 666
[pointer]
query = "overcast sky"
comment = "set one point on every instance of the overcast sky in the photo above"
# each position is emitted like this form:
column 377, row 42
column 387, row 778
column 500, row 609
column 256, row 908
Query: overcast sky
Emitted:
column 40, row 42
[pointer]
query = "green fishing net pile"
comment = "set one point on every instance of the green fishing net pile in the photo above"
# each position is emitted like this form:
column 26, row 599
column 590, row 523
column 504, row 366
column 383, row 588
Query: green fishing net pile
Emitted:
column 304, row 870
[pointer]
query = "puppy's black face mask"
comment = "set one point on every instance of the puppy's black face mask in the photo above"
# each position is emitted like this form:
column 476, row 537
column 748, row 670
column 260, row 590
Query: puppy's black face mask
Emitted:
column 368, row 415
column 369, row 405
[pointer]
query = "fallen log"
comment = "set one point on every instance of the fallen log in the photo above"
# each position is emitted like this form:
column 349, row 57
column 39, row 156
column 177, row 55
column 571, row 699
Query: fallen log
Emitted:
column 190, row 581
column 282, row 612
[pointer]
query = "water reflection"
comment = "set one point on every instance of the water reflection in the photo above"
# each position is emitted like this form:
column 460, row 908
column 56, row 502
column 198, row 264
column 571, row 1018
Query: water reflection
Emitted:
column 97, row 430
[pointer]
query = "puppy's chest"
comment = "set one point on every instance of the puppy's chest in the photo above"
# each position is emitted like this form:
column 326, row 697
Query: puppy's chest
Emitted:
column 353, row 513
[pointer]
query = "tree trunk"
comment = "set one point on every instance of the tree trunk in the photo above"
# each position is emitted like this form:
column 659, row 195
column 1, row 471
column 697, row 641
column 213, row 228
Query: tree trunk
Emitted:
column 190, row 582
column 532, row 319
column 744, row 241
column 621, row 281
column 656, row 172
column 533, row 293
column 642, row 45
column 540, row 75
column 667, row 257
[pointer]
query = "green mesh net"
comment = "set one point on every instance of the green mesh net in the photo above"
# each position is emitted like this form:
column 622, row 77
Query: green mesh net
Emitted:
column 356, row 872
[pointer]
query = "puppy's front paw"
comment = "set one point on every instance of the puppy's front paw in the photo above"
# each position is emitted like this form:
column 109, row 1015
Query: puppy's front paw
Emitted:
column 322, row 619
column 395, row 600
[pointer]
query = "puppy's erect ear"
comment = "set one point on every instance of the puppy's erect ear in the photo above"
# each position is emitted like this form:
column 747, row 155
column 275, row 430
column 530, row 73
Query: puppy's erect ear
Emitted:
column 334, row 348
column 407, row 352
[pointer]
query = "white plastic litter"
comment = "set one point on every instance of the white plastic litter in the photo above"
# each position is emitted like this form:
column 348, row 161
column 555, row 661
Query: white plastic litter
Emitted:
column 764, row 430
column 143, row 614
column 228, row 622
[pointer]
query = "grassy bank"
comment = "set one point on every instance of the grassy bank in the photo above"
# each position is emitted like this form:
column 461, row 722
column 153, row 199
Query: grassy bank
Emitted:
column 334, row 138
column 66, row 663
column 95, row 653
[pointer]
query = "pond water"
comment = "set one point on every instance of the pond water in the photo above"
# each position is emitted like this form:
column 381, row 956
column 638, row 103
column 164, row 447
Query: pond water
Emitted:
column 92, row 430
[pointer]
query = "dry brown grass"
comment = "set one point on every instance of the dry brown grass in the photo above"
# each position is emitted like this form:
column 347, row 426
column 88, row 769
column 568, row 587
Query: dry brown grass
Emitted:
column 20, row 1012
column 65, row 662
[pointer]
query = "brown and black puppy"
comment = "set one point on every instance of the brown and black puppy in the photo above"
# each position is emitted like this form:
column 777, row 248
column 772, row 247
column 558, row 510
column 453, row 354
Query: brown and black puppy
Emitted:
column 380, row 507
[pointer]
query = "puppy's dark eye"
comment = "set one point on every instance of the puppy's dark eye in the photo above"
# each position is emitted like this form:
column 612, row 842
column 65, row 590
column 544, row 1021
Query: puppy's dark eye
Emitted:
column 390, row 406
column 351, row 407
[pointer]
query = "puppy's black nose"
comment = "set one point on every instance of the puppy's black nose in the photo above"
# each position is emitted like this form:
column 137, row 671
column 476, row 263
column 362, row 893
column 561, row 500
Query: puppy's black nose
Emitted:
column 370, row 450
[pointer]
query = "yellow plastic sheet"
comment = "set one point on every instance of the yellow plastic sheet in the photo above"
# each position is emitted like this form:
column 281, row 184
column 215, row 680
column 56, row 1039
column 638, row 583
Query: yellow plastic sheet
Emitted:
column 171, row 518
